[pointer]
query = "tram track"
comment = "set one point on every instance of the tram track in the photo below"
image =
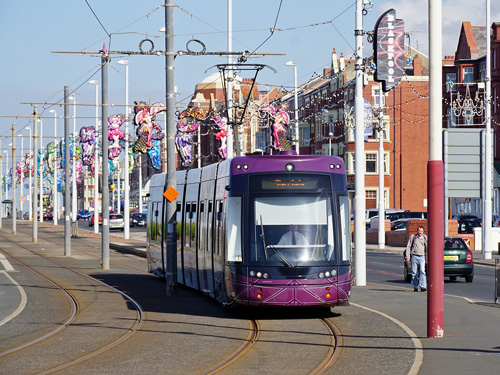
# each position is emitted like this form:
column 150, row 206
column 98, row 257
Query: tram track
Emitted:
column 75, row 311
column 334, row 350
column 238, row 360
column 240, row 352
column 253, row 343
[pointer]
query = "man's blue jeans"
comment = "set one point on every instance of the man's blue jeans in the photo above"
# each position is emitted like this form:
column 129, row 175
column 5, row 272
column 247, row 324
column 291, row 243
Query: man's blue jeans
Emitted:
column 418, row 271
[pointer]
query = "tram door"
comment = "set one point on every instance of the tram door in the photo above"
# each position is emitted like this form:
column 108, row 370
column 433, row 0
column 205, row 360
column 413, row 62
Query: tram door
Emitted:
column 218, row 251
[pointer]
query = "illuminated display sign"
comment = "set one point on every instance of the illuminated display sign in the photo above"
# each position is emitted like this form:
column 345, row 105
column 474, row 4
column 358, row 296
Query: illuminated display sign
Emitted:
column 284, row 182
column 388, row 46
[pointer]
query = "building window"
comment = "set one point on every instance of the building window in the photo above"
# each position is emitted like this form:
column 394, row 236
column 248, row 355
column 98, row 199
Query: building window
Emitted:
column 331, row 121
column 319, row 134
column 482, row 72
column 350, row 163
column 451, row 79
column 376, row 97
column 371, row 194
column 350, row 133
column 305, row 135
column 468, row 72
column 371, row 163
column 451, row 118
column 494, row 99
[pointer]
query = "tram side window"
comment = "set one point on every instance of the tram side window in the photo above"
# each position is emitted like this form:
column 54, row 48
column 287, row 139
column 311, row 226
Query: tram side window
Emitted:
column 345, row 227
column 201, row 226
column 187, row 224
column 209, row 227
column 155, row 226
column 192, row 219
column 178, row 218
column 233, row 229
column 219, row 222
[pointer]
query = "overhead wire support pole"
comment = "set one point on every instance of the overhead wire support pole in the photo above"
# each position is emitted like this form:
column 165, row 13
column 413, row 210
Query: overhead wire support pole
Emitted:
column 435, row 177
column 105, row 164
column 359, row 150
column 14, row 198
column 232, row 130
column 171, row 251
column 67, row 187
column 487, row 219
column 34, row 202
column 381, row 172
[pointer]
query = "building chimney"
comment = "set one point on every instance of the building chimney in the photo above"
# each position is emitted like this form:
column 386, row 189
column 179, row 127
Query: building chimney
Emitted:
column 342, row 62
column 335, row 63
column 417, row 66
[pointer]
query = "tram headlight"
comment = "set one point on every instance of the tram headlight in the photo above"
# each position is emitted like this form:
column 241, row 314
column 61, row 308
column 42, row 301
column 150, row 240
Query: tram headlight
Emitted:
column 321, row 275
column 245, row 167
column 327, row 274
column 334, row 273
column 260, row 274
column 290, row 167
column 238, row 167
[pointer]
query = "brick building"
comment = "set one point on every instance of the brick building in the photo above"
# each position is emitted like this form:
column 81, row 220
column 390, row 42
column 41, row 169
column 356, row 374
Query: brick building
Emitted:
column 326, row 113
column 464, row 74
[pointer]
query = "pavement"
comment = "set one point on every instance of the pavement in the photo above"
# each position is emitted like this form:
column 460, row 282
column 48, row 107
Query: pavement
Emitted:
column 471, row 334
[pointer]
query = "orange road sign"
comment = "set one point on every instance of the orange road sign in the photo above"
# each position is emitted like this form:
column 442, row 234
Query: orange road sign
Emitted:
column 171, row 194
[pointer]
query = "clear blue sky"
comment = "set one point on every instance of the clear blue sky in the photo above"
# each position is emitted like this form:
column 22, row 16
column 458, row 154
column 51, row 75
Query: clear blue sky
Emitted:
column 305, row 31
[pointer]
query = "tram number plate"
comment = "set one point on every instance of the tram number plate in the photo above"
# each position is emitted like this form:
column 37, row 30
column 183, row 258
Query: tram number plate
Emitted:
column 451, row 257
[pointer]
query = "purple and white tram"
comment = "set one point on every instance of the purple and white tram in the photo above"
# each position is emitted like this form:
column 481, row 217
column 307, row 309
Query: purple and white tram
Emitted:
column 231, row 218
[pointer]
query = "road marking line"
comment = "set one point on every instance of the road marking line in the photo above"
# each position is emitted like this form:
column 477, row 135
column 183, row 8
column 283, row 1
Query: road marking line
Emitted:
column 419, row 355
column 6, row 264
column 21, row 306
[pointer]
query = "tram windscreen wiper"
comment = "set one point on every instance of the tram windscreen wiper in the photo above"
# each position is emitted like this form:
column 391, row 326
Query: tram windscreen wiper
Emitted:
column 278, row 254
column 281, row 256
column 263, row 236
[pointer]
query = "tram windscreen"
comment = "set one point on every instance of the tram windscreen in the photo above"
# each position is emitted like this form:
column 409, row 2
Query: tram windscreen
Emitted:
column 293, row 230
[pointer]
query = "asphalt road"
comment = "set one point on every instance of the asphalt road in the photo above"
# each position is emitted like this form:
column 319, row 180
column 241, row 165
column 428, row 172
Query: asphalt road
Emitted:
column 387, row 268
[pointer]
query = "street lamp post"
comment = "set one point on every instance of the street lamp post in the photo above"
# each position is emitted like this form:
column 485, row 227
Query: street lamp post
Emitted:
column 6, row 173
column 30, row 194
column 96, row 160
column 40, row 169
column 294, row 64
column 330, row 136
column 21, row 177
column 126, row 188
column 54, row 187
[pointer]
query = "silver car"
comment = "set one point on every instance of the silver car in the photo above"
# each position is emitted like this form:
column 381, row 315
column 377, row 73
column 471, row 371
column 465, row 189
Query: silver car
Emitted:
column 116, row 221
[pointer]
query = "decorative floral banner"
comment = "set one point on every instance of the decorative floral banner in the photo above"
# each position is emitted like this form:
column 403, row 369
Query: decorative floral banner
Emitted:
column 279, row 119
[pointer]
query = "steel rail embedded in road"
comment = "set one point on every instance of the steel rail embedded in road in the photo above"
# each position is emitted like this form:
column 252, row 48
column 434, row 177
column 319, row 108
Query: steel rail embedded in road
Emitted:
column 119, row 340
column 69, row 296
column 240, row 352
column 333, row 352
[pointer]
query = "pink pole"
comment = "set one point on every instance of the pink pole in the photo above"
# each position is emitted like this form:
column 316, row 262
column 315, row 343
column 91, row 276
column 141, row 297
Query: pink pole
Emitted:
column 435, row 230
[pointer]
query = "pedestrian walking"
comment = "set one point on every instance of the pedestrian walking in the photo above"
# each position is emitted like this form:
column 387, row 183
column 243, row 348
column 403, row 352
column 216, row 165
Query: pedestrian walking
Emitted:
column 416, row 253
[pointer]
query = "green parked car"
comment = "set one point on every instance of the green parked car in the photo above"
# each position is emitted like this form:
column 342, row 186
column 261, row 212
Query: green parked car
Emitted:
column 458, row 261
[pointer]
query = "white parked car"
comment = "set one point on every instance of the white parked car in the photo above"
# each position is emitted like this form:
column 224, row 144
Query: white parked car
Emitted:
column 116, row 221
